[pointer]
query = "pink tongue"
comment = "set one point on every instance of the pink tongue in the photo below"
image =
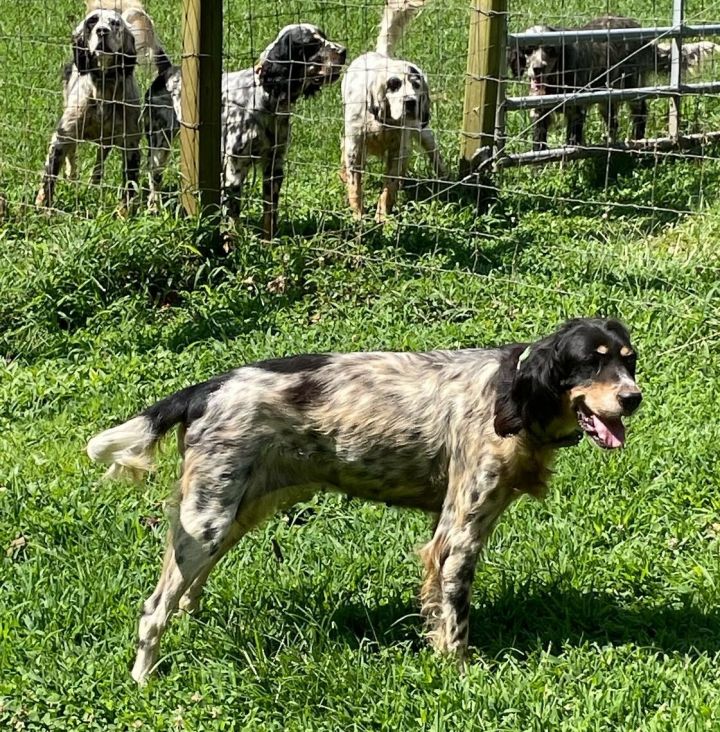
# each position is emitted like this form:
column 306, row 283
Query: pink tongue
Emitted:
column 611, row 433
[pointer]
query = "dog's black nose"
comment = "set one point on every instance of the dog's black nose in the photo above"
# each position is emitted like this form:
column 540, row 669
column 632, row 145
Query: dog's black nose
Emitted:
column 102, row 31
column 630, row 400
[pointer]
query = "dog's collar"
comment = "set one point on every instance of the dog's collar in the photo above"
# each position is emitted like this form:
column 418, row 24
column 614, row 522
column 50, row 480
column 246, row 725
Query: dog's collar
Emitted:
column 523, row 357
column 565, row 441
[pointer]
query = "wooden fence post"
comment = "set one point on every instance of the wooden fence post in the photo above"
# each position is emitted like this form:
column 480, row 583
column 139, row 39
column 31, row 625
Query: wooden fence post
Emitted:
column 200, row 134
column 674, row 112
column 486, row 59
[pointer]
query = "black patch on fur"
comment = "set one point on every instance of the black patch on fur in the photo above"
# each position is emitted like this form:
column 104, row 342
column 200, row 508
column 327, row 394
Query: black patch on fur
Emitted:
column 295, row 364
column 209, row 531
column 283, row 72
column 184, row 406
column 308, row 388
column 202, row 501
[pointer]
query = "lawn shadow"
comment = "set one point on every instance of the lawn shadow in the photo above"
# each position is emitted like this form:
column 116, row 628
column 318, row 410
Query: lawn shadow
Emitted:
column 548, row 618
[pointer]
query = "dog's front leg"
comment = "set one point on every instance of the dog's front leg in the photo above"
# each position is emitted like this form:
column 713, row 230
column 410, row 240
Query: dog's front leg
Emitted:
column 575, row 123
column 63, row 143
column 273, row 175
column 540, row 122
column 473, row 503
column 396, row 164
column 131, row 171
column 351, row 173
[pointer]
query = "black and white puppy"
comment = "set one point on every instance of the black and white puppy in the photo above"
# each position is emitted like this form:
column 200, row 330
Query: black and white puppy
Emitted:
column 256, row 107
column 458, row 434
column 582, row 66
column 386, row 105
column 600, row 64
column 101, row 101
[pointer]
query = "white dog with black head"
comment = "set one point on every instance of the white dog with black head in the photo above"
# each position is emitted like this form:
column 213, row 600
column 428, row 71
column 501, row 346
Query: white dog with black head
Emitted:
column 387, row 108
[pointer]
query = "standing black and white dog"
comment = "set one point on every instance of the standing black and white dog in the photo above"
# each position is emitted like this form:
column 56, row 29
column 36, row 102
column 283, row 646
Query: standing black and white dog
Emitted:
column 583, row 66
column 459, row 434
column 256, row 112
column 386, row 108
column 101, row 96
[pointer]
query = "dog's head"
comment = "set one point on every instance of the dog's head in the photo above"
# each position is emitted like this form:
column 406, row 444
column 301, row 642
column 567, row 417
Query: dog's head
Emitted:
column 542, row 63
column 299, row 62
column 579, row 380
column 399, row 95
column 104, row 43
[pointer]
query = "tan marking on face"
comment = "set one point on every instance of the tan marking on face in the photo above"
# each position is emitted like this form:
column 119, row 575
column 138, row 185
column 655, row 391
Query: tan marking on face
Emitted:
column 601, row 399
column 626, row 351
column 602, row 349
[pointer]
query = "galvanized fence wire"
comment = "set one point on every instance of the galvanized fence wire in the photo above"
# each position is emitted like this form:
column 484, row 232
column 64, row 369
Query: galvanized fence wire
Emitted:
column 436, row 41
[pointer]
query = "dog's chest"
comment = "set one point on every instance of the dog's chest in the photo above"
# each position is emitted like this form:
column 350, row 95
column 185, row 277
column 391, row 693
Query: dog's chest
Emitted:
column 380, row 139
column 105, row 120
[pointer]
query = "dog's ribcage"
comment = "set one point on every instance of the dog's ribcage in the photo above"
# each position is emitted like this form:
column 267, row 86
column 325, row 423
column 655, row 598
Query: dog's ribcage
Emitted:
column 379, row 426
column 253, row 131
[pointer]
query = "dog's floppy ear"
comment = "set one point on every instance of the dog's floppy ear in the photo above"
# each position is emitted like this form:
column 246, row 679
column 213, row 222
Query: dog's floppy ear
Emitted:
column 516, row 61
column 528, row 387
column 424, row 100
column 568, row 57
column 377, row 97
column 129, row 51
column 81, row 54
column 275, row 68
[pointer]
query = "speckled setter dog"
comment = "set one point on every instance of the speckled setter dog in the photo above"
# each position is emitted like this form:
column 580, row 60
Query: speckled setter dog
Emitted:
column 459, row 434
column 257, row 107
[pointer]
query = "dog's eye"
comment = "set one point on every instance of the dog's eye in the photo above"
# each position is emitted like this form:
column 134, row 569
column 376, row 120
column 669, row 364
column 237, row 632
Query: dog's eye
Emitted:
column 393, row 84
column 92, row 22
column 630, row 362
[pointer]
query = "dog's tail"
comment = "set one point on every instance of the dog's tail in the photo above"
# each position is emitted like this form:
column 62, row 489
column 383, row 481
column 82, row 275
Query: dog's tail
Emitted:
column 396, row 17
column 693, row 55
column 129, row 448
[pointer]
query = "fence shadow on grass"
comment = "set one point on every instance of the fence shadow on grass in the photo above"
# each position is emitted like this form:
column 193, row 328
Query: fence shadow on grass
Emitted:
column 548, row 618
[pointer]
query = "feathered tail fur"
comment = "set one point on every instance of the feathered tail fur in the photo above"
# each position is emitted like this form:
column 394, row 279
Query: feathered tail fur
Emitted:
column 129, row 448
column 396, row 16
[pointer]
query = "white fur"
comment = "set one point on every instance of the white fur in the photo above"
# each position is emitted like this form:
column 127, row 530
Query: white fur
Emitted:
column 127, row 449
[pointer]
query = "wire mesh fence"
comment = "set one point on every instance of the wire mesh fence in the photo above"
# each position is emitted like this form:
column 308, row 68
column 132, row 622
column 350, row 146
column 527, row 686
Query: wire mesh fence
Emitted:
column 313, row 197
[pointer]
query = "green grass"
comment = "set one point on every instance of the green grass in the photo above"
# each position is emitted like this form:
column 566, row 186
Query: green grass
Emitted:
column 597, row 609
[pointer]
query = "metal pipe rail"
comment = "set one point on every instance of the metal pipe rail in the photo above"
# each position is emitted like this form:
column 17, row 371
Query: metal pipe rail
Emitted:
column 616, row 34
column 633, row 147
column 621, row 95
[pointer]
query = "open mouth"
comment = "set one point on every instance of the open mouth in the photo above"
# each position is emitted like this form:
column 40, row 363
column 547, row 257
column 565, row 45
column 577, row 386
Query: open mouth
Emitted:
column 537, row 86
column 606, row 432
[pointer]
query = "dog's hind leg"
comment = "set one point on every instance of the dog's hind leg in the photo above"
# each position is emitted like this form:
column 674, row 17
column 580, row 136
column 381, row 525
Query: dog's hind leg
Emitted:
column 251, row 512
column 208, row 506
